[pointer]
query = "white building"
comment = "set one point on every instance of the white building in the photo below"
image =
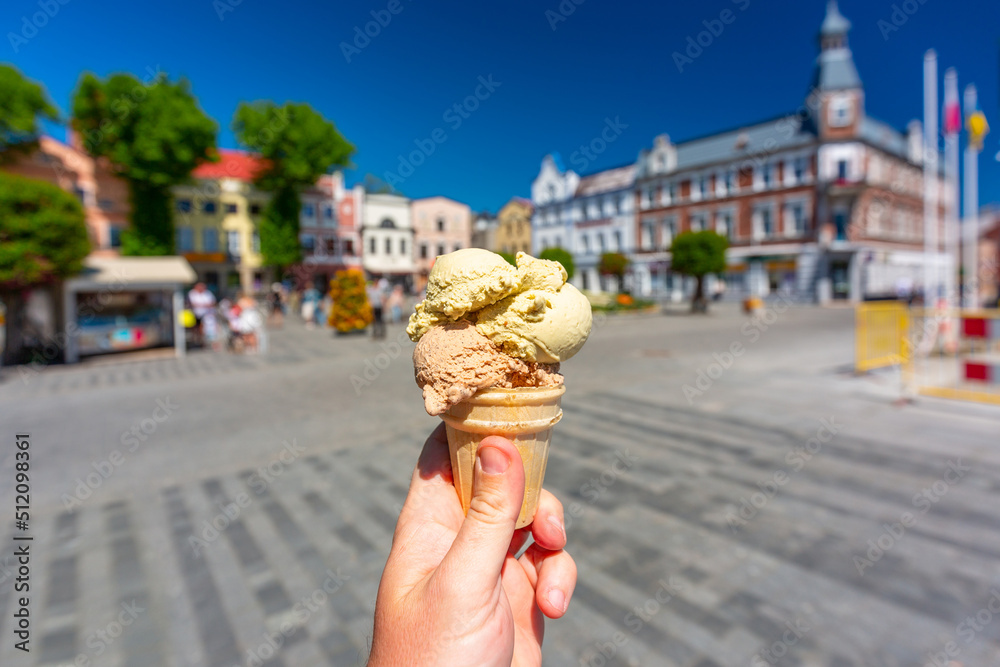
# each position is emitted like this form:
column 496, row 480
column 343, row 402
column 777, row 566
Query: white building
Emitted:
column 588, row 216
column 387, row 238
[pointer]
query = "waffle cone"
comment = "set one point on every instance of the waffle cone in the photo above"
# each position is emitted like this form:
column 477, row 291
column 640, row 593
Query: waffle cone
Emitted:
column 525, row 415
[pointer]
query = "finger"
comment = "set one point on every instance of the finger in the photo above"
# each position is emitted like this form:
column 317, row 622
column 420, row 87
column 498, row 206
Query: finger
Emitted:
column 472, row 565
column 553, row 574
column 548, row 528
column 431, row 482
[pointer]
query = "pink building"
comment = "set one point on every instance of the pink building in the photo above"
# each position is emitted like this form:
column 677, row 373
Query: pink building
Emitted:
column 329, row 230
column 104, row 196
column 440, row 226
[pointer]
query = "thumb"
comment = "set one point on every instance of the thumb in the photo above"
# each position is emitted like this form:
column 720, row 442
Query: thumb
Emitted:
column 477, row 555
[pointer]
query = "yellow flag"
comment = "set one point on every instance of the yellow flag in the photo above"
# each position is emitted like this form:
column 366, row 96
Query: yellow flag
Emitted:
column 978, row 129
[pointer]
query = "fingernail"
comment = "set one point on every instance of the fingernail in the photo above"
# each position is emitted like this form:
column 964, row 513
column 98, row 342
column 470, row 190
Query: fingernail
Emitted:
column 557, row 599
column 493, row 461
column 558, row 524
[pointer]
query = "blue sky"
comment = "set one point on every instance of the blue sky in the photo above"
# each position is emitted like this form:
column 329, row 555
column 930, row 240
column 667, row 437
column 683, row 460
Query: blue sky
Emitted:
column 554, row 83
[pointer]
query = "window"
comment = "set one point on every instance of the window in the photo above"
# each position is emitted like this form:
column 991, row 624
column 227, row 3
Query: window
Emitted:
column 669, row 230
column 254, row 209
column 308, row 243
column 348, row 246
column 183, row 205
column 185, row 239
column 767, row 173
column 105, row 204
column 723, row 223
column 645, row 198
column 231, row 208
column 697, row 222
column 440, row 225
column 458, row 246
column 331, row 245
column 116, row 236
column 799, row 169
column 767, row 221
column 233, row 243
column 328, row 212
column 696, row 189
column 307, row 210
column 387, row 223
column 371, row 246
column 646, row 238
column 703, row 188
column 209, row 239
column 841, row 170
column 795, row 219
column 602, row 244
column 732, row 185
column 402, row 247
column 388, row 246
column 423, row 251
column 618, row 241
column 208, row 206
column 441, row 249
column 585, row 243
column 255, row 241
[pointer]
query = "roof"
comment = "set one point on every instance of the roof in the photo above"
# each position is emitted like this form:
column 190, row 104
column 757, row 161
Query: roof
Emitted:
column 884, row 136
column 835, row 70
column 133, row 273
column 608, row 180
column 240, row 165
column 834, row 23
column 754, row 140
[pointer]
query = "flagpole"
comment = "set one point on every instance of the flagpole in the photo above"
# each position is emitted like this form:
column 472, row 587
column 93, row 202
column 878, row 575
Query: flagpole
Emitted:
column 971, row 224
column 952, row 126
column 930, row 175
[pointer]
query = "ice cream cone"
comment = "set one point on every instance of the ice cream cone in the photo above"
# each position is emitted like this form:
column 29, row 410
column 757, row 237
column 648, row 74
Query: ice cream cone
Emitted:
column 525, row 415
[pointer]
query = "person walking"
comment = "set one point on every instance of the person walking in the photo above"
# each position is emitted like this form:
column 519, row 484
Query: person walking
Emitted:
column 203, row 306
column 376, row 297
column 395, row 304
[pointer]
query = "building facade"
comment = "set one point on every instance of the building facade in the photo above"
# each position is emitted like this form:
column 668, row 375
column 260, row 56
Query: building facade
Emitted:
column 513, row 232
column 216, row 222
column 387, row 238
column 484, row 231
column 329, row 230
column 823, row 203
column 585, row 215
column 440, row 226
column 104, row 196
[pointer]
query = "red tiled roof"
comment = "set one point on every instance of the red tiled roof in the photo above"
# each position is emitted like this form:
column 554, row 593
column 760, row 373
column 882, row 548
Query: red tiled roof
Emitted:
column 232, row 164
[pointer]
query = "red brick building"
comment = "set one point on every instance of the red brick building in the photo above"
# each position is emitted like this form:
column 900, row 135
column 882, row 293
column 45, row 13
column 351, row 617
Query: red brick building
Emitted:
column 822, row 203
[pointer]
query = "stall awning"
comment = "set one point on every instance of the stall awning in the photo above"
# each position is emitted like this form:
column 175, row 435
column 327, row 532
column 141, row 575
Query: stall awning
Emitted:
column 133, row 273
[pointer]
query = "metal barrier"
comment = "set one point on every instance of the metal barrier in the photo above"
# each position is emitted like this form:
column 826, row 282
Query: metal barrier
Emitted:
column 953, row 354
column 880, row 331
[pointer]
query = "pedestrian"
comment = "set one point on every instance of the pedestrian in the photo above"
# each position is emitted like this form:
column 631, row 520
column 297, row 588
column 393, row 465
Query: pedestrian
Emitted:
column 310, row 304
column 203, row 306
column 395, row 304
column 377, row 300
column 276, row 302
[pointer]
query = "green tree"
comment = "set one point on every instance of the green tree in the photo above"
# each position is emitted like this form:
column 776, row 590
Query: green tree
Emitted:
column 614, row 264
column 22, row 103
column 43, row 239
column 699, row 254
column 509, row 258
column 563, row 257
column 299, row 145
column 154, row 134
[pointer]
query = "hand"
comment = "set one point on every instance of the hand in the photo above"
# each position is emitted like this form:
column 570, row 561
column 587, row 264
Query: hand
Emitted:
column 452, row 593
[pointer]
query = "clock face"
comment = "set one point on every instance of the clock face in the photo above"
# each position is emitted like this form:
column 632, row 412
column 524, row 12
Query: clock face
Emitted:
column 840, row 111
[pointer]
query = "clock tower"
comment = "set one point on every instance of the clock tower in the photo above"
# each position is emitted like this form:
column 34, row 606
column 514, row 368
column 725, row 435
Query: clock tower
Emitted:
column 836, row 98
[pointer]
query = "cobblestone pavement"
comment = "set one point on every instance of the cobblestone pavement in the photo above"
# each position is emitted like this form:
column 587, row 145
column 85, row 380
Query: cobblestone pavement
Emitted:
column 788, row 514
